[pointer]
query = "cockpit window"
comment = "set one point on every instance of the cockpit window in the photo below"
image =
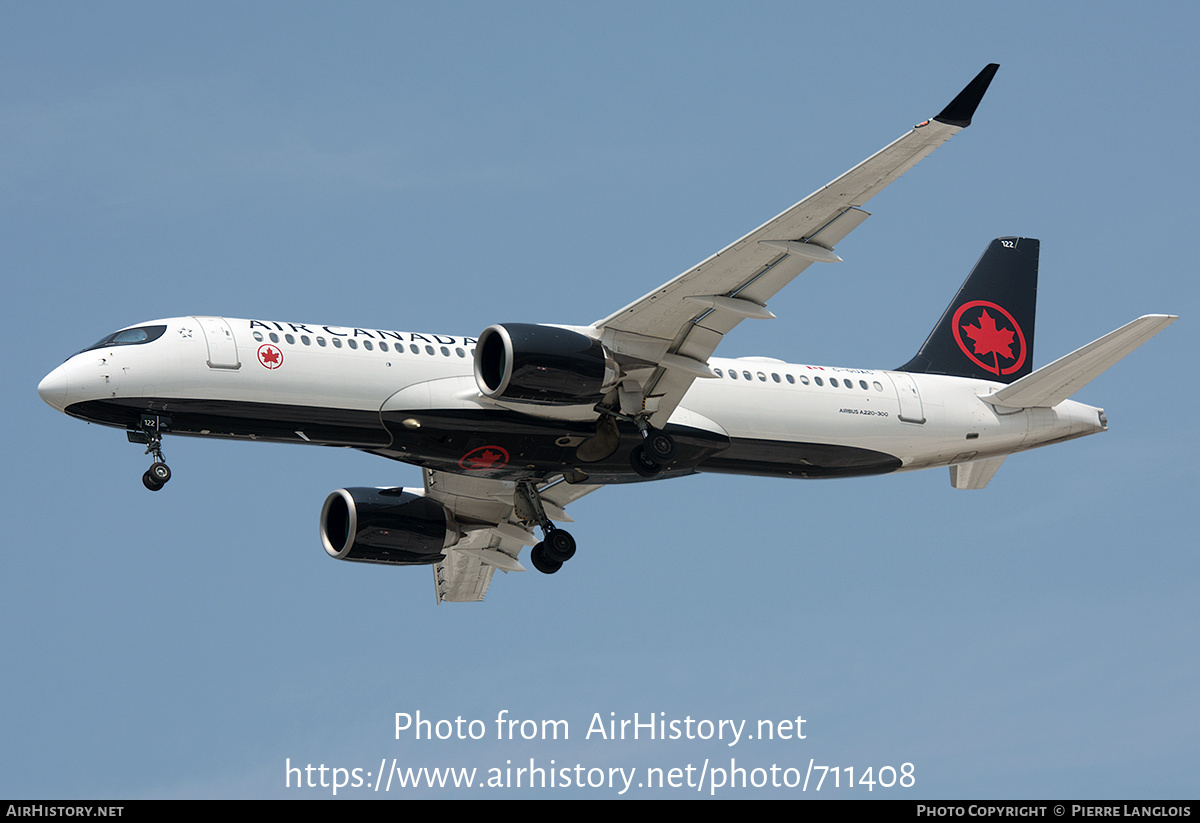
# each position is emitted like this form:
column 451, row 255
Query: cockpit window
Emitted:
column 129, row 337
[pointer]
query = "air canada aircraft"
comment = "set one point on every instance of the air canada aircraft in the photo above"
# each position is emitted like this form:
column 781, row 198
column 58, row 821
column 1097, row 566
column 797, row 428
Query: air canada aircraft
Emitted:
column 513, row 425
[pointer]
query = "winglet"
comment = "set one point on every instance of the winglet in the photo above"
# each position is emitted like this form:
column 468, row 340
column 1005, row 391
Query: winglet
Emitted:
column 961, row 108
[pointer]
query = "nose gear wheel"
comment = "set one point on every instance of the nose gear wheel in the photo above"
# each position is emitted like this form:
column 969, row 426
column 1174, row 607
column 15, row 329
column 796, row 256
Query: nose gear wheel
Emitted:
column 149, row 431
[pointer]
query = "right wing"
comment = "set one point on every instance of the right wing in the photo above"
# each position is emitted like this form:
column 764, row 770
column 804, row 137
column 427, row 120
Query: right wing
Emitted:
column 667, row 336
column 494, row 534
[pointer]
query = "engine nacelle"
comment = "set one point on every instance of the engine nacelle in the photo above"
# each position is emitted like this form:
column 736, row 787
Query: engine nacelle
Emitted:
column 397, row 526
column 527, row 363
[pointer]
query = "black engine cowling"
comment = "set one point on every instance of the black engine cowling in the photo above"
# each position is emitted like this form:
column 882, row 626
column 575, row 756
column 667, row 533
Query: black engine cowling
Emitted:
column 396, row 526
column 528, row 363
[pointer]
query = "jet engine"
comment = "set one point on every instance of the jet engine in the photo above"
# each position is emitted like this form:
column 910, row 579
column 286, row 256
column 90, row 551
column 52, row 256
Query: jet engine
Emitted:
column 397, row 526
column 547, row 365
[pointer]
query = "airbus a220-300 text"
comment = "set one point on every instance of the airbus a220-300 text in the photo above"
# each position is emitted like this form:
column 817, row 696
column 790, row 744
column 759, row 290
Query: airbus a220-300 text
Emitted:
column 511, row 426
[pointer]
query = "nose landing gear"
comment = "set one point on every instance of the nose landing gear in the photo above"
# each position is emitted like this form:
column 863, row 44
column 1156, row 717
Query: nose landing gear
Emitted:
column 149, row 431
column 157, row 475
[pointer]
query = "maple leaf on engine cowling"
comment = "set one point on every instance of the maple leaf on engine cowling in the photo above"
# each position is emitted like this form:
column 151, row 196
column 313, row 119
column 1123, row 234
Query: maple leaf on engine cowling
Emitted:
column 988, row 339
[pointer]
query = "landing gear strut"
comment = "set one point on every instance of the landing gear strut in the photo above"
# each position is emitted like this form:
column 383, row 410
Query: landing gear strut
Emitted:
column 149, row 431
column 557, row 546
column 656, row 452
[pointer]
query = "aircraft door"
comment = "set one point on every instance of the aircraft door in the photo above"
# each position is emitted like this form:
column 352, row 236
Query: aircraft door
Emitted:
column 222, row 350
column 911, row 410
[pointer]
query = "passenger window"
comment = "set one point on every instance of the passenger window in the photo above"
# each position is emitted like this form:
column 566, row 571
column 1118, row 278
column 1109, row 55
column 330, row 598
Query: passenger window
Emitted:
column 818, row 381
column 274, row 337
column 460, row 352
column 304, row 339
column 321, row 342
column 291, row 340
column 352, row 343
column 337, row 342
column 775, row 377
column 368, row 345
column 258, row 336
column 762, row 377
column 804, row 379
column 414, row 348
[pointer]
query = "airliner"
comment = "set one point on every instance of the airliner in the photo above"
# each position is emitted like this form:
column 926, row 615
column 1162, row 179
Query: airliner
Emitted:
column 512, row 425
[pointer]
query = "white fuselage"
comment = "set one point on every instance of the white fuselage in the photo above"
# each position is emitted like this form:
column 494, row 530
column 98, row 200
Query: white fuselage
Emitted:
column 334, row 385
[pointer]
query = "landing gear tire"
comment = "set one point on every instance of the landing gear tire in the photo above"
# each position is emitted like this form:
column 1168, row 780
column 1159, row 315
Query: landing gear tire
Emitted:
column 149, row 431
column 559, row 546
column 543, row 563
column 660, row 447
column 642, row 464
column 160, row 473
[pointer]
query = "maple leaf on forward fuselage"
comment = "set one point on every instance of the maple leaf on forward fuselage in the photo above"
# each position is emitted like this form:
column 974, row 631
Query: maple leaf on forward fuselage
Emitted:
column 988, row 338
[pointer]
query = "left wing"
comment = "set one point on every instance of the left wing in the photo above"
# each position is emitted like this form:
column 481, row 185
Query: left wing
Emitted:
column 666, row 337
column 493, row 532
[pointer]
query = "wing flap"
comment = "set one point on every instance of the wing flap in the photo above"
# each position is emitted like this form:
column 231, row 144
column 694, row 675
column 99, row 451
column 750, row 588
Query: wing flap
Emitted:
column 461, row 578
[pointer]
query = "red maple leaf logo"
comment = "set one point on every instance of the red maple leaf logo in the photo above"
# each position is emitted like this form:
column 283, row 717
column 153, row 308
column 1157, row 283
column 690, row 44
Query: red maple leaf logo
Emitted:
column 487, row 459
column 269, row 356
column 988, row 339
column 483, row 458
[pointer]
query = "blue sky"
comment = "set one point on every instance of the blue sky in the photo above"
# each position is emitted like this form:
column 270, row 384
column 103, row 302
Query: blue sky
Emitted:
column 441, row 169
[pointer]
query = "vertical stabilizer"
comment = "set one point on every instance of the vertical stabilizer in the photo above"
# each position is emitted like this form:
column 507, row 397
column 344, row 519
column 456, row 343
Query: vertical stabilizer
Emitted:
column 987, row 331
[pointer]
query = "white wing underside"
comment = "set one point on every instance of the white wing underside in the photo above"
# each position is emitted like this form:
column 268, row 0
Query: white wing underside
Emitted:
column 493, row 534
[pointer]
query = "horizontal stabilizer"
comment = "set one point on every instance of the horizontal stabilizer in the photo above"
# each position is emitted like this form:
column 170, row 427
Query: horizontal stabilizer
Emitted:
column 1052, row 384
column 974, row 475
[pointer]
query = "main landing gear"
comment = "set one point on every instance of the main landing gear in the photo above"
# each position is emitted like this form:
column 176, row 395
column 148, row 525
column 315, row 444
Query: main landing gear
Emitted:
column 149, row 431
column 656, row 452
column 557, row 546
